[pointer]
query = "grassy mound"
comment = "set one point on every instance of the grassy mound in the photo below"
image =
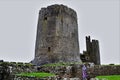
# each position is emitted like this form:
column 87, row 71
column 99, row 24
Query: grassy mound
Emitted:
column 36, row 74
column 111, row 77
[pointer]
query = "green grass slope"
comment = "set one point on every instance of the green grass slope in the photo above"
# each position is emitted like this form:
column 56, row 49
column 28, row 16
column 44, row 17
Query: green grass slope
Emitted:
column 36, row 74
column 111, row 77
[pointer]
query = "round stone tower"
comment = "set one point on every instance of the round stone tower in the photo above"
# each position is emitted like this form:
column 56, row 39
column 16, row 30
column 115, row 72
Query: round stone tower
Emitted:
column 57, row 36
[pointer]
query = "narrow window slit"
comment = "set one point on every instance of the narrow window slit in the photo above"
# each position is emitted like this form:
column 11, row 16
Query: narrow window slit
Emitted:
column 49, row 49
column 45, row 18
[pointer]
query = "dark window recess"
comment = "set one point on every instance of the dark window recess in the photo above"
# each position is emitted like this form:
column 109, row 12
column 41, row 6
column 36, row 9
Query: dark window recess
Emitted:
column 49, row 49
column 87, row 58
column 83, row 58
column 45, row 18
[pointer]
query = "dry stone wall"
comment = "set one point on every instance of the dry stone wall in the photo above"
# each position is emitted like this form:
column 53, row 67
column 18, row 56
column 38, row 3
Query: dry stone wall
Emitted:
column 9, row 69
column 73, row 72
column 104, row 70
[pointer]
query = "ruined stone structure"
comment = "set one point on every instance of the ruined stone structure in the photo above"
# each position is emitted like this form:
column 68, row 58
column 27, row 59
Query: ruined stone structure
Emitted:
column 8, row 71
column 92, row 53
column 57, row 36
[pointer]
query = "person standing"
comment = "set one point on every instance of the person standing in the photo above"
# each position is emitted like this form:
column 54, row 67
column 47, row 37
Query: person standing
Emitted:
column 84, row 72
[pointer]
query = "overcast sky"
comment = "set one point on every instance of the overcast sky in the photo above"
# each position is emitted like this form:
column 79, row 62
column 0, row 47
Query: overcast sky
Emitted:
column 97, row 18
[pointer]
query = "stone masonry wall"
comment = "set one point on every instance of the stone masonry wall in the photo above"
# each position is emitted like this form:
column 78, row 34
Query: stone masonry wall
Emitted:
column 73, row 71
column 8, row 70
column 57, row 36
column 104, row 70
column 92, row 53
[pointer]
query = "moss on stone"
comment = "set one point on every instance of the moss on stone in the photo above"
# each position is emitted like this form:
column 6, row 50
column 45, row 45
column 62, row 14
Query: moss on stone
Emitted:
column 4, row 63
column 62, row 64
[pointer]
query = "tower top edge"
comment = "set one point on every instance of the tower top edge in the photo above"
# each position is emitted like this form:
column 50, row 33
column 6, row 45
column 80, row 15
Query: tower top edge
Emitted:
column 58, row 8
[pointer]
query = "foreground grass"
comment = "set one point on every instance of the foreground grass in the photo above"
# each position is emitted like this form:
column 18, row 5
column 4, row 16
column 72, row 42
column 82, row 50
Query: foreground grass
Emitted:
column 111, row 77
column 37, row 74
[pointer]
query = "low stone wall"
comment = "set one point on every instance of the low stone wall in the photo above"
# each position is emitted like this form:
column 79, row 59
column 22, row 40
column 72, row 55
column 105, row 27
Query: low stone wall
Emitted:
column 72, row 72
column 9, row 69
column 104, row 70
column 51, row 78
column 33, row 78
column 75, row 71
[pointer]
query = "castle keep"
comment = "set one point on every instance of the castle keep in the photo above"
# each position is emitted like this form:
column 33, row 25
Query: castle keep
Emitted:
column 57, row 36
